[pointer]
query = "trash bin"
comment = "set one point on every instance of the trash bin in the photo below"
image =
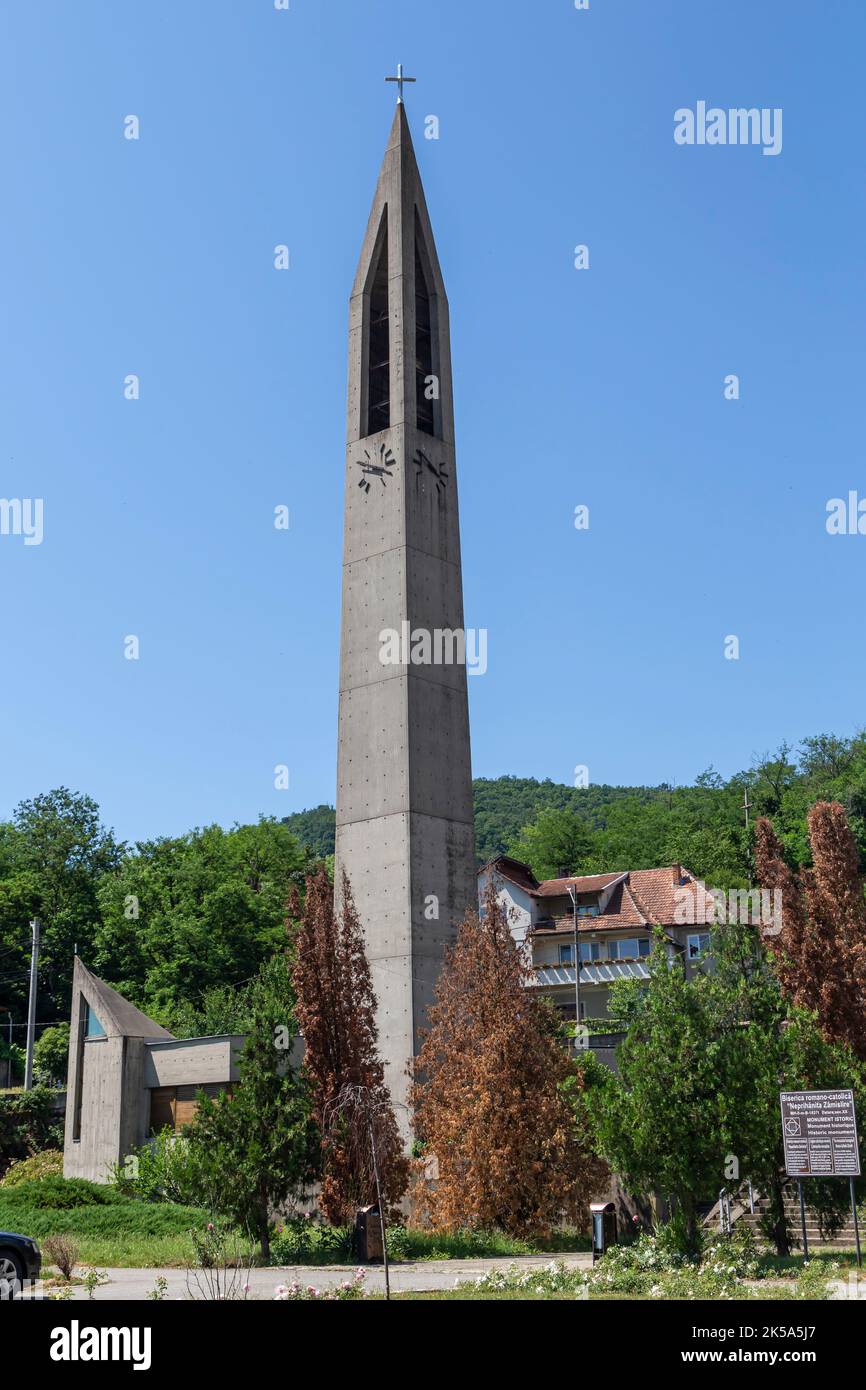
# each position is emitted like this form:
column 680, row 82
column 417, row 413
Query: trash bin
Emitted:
column 368, row 1235
column 603, row 1215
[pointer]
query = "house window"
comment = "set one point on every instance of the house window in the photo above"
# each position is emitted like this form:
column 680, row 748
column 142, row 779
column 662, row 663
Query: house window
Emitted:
column 566, row 955
column 698, row 944
column 587, row 910
column 590, row 951
column 627, row 949
column 644, row 946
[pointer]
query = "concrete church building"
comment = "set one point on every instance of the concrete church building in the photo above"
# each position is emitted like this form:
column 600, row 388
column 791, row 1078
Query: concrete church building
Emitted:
column 405, row 833
column 129, row 1078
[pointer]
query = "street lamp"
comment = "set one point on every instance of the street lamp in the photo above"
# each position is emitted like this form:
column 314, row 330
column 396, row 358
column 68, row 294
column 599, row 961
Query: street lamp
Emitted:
column 572, row 893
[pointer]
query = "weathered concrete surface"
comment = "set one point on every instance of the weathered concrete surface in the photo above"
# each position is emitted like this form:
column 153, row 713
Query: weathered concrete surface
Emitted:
column 404, row 792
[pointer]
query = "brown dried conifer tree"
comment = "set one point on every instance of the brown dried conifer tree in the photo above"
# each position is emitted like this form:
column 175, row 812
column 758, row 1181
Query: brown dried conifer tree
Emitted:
column 821, row 952
column 336, row 1013
column 488, row 1099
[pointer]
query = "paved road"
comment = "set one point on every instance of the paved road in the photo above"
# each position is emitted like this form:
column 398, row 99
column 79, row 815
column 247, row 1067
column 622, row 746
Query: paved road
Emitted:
column 132, row 1284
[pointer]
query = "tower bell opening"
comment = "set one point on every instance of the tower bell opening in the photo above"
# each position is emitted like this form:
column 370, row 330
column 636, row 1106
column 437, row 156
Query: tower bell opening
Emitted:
column 379, row 371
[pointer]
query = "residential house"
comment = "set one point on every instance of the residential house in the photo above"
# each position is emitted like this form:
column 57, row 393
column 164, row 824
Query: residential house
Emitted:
column 613, row 918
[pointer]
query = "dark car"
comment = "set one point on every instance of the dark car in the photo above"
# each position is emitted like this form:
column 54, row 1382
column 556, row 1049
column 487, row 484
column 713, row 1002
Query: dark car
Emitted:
column 20, row 1259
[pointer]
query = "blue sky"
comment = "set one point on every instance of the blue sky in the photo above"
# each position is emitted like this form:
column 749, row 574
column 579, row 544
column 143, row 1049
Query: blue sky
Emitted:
column 601, row 387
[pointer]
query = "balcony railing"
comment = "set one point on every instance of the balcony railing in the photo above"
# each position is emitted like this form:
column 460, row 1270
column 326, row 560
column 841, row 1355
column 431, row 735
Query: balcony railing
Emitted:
column 592, row 973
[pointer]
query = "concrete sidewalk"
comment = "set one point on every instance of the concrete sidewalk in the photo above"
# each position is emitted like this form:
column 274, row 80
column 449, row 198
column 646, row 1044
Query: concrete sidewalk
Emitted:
column 133, row 1284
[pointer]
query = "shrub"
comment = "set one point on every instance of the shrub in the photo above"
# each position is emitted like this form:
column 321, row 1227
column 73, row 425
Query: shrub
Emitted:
column 28, row 1123
column 221, row 1264
column 347, row 1291
column 166, row 1169
column 302, row 1242
column 465, row 1244
column 57, row 1193
column 48, row 1163
column 62, row 1252
column 737, row 1254
column 615, row 1276
column 116, row 1218
column 553, row 1278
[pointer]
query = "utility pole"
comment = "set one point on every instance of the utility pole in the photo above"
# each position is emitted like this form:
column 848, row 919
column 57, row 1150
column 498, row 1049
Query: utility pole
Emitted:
column 9, row 1058
column 31, row 1005
column 746, row 809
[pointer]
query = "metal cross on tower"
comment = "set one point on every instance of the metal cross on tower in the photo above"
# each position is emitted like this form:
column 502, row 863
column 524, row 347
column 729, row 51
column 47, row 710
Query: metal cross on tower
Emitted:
column 400, row 79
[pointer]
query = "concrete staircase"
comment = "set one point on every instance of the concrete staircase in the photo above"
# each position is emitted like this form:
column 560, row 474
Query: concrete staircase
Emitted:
column 844, row 1238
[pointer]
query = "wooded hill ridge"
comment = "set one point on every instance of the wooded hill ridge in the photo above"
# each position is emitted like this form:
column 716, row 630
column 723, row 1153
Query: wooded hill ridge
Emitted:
column 604, row 828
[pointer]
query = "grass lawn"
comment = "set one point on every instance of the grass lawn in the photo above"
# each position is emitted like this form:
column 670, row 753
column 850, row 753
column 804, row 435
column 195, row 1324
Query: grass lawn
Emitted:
column 132, row 1251
column 106, row 1228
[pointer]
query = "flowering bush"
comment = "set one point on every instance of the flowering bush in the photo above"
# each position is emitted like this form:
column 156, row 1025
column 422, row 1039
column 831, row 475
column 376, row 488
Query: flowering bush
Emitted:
column 303, row 1241
column 814, row 1280
column 344, row 1292
column 648, row 1254
column 553, row 1278
column 47, row 1163
column 735, row 1254
column 650, row 1269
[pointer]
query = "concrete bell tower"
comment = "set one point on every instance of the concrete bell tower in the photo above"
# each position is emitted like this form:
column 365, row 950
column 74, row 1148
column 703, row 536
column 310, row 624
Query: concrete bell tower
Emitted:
column 404, row 792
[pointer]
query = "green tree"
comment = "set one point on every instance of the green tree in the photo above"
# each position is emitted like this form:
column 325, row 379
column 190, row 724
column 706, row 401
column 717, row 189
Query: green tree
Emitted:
column 50, row 1055
column 556, row 841
column 183, row 916
column 658, row 1121
column 695, row 1106
column 52, row 857
column 315, row 829
column 256, row 1147
column 222, row 1009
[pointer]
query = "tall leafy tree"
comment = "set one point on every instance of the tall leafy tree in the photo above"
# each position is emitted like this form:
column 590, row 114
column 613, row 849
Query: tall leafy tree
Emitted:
column 52, row 857
column 183, row 916
column 658, row 1121
column 694, row 1106
column 336, row 1012
column 556, row 841
column 490, row 1097
column 768, row 1047
column 256, row 1147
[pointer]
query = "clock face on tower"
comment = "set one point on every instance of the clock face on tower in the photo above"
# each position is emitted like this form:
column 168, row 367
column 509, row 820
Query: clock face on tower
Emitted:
column 426, row 471
column 378, row 464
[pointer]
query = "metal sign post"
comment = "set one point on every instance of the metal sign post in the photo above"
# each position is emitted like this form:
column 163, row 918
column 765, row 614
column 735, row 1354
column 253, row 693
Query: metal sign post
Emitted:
column 803, row 1219
column 819, row 1131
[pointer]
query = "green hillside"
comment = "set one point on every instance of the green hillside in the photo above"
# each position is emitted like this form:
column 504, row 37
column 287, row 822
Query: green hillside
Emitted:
column 702, row 825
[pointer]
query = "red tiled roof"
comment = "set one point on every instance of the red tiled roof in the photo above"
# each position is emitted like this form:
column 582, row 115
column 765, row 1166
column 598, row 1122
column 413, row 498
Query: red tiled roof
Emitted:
column 645, row 897
column 659, row 891
column 621, row 913
column 586, row 883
